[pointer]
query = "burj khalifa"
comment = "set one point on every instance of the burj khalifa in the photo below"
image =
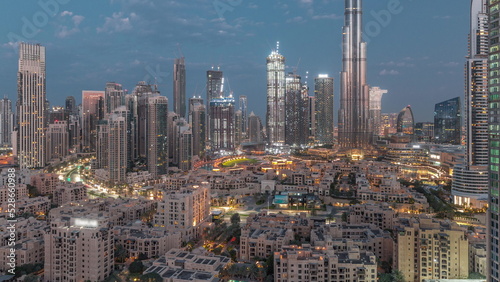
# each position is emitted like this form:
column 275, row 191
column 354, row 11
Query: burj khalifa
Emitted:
column 354, row 123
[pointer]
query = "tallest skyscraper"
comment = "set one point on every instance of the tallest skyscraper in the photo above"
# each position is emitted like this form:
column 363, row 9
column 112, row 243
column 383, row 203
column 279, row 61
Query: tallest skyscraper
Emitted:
column 354, row 115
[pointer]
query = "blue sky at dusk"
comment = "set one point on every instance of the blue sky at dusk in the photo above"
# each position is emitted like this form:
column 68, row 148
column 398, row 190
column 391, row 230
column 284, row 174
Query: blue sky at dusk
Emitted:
column 418, row 54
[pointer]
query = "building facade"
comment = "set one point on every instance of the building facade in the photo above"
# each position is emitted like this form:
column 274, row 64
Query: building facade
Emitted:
column 31, row 106
column 276, row 87
column 179, row 85
column 323, row 93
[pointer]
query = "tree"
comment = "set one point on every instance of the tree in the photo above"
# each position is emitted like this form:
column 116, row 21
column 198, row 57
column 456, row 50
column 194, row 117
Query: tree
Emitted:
column 136, row 267
column 344, row 217
column 142, row 256
column 235, row 219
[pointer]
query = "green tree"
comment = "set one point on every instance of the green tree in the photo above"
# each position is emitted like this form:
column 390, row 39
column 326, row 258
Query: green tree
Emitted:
column 136, row 267
column 235, row 219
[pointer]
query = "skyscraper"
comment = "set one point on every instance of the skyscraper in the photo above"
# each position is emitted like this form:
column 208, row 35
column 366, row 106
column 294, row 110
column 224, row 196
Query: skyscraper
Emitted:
column 70, row 106
column 376, row 109
column 31, row 106
column 323, row 92
column 92, row 112
column 275, row 116
column 179, row 85
column 185, row 149
column 470, row 179
column 114, row 96
column 494, row 143
column 254, row 128
column 215, row 90
column 295, row 112
column 447, row 121
column 6, row 122
column 244, row 114
column 354, row 116
column 197, row 118
column 117, row 145
column 57, row 140
column 406, row 122
column 157, row 135
column 222, row 123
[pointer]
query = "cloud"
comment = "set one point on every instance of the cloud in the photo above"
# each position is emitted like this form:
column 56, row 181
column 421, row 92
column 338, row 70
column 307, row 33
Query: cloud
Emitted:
column 297, row 19
column 388, row 72
column 451, row 64
column 397, row 64
column 63, row 30
column 116, row 23
column 327, row 17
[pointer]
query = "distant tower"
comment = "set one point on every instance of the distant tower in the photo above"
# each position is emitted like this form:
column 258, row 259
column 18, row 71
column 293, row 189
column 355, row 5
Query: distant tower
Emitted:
column 117, row 145
column 31, row 106
column 323, row 91
column 296, row 114
column 157, row 135
column 238, row 133
column 185, row 148
column 92, row 112
column 222, row 123
column 70, row 106
column 179, row 85
column 254, row 128
column 275, row 117
column 354, row 116
column 197, row 118
column 406, row 122
column 215, row 89
column 6, row 122
column 114, row 96
column 448, row 122
column 376, row 108
column 244, row 114
column 57, row 140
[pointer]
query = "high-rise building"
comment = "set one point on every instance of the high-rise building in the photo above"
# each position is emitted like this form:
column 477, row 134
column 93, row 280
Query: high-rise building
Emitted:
column 470, row 179
column 31, row 106
column 424, row 131
column 102, row 153
column 222, row 123
column 406, row 122
column 215, row 90
column 179, row 85
column 238, row 132
column 494, row 142
column 57, row 140
column 354, row 113
column 197, row 119
column 117, row 145
column 389, row 124
column 376, row 109
column 296, row 111
column 79, row 250
column 70, row 106
column 243, row 103
column 114, row 96
column 323, row 93
column 185, row 150
column 184, row 210
column 157, row 135
column 254, row 128
column 276, row 87
column 172, row 140
column 311, row 105
column 92, row 112
column 6, row 122
column 138, row 107
column 448, row 122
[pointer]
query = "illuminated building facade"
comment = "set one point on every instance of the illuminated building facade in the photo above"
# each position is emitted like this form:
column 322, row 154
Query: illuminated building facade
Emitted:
column 276, row 87
column 448, row 122
column 354, row 113
column 31, row 106
column 222, row 123
column 179, row 85
column 92, row 112
column 323, row 93
column 376, row 109
column 6, row 122
column 405, row 122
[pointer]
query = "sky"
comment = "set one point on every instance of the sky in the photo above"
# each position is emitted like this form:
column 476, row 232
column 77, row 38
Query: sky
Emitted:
column 416, row 48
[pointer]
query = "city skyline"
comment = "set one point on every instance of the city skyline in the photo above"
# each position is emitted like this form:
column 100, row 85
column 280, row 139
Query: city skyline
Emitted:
column 243, row 65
